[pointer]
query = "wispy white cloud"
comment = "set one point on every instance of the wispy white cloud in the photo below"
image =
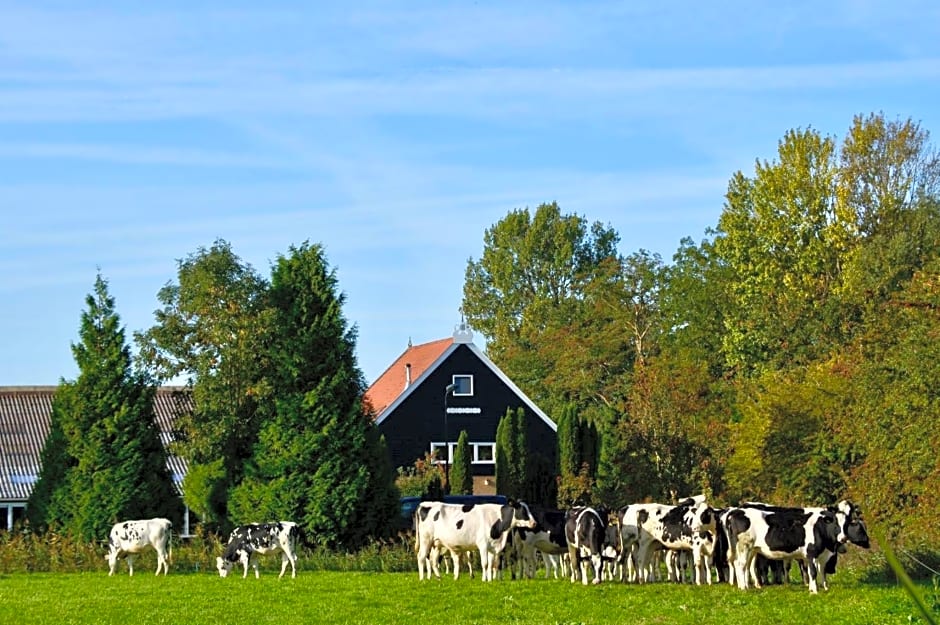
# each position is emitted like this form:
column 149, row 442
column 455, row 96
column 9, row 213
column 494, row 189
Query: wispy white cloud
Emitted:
column 480, row 93
column 145, row 155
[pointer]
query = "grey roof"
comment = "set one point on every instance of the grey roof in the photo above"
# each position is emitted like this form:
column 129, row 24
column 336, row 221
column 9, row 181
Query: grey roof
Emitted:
column 25, row 417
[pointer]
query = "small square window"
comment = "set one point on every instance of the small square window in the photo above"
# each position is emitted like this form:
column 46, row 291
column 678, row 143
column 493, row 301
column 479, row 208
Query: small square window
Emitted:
column 438, row 451
column 484, row 453
column 463, row 385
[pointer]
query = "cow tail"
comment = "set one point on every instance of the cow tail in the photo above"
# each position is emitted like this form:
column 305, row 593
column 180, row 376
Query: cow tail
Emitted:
column 169, row 540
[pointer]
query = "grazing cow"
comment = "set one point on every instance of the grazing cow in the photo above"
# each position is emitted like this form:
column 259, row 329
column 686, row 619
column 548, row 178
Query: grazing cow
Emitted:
column 246, row 542
column 586, row 533
column 461, row 527
column 129, row 538
column 671, row 527
column 810, row 536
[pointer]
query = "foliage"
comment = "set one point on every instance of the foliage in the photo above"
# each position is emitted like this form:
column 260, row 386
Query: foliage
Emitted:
column 318, row 457
column 461, row 473
column 212, row 329
column 105, row 459
column 424, row 479
column 526, row 293
column 512, row 462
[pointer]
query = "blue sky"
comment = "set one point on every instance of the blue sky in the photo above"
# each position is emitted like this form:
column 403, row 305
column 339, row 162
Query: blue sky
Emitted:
column 395, row 133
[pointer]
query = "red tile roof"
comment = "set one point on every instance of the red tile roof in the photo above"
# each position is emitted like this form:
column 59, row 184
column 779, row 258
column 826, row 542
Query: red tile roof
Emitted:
column 391, row 383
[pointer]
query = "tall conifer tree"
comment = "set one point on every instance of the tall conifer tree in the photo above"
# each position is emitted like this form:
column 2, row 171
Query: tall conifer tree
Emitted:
column 461, row 474
column 319, row 459
column 103, row 460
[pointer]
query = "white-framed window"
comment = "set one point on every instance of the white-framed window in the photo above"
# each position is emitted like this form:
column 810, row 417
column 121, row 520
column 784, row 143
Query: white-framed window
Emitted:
column 463, row 385
column 484, row 453
column 480, row 453
column 439, row 453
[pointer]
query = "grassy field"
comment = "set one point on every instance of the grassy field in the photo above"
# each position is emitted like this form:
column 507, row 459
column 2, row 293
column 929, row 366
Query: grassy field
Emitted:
column 389, row 598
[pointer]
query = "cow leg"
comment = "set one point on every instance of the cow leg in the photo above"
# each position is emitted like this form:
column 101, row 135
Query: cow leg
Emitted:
column 112, row 559
column 455, row 558
column 130, row 563
column 821, row 563
column 486, row 564
column 424, row 562
column 812, row 571
column 284, row 561
column 574, row 562
column 161, row 562
column 742, row 560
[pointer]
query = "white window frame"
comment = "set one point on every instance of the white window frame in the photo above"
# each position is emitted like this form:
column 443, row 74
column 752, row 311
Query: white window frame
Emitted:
column 457, row 376
column 476, row 453
column 474, row 450
column 450, row 451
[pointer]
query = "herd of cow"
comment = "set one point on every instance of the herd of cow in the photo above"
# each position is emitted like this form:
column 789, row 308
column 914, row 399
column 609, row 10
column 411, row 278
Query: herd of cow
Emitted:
column 751, row 544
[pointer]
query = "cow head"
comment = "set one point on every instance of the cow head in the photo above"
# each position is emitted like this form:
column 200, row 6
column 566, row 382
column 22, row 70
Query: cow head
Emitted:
column 700, row 517
column 830, row 528
column 223, row 565
column 521, row 515
column 853, row 527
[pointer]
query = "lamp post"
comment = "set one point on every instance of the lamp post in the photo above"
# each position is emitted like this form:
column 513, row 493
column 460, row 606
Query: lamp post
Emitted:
column 447, row 391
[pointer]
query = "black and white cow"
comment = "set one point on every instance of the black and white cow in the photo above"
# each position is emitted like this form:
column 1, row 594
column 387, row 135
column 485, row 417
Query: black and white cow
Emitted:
column 651, row 526
column 461, row 527
column 586, row 534
column 246, row 542
column 547, row 538
column 850, row 519
column 810, row 536
column 129, row 538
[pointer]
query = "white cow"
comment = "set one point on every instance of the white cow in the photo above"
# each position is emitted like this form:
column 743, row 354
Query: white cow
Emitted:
column 461, row 527
column 129, row 538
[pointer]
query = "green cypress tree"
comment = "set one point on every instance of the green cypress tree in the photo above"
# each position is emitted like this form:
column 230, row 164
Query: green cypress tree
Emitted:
column 569, row 443
column 56, row 464
column 114, row 463
column 461, row 474
column 318, row 460
column 511, row 454
column 520, row 441
column 504, row 485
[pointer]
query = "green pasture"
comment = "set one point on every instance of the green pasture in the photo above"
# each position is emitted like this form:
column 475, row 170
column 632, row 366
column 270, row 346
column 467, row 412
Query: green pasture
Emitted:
column 202, row 598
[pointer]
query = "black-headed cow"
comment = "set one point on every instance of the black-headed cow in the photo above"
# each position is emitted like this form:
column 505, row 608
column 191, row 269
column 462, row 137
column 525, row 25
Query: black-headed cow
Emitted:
column 546, row 538
column 586, row 533
column 129, row 538
column 809, row 536
column 246, row 542
column 847, row 515
column 462, row 527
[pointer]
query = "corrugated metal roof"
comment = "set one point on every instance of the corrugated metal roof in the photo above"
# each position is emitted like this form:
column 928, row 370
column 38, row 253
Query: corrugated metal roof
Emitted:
column 25, row 418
